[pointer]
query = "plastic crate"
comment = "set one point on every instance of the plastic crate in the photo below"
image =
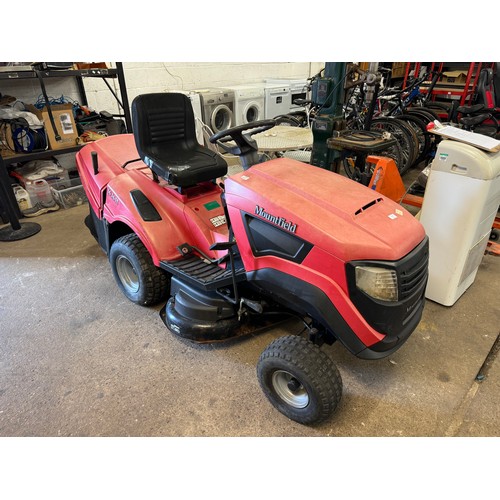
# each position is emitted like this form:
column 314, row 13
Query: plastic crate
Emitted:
column 69, row 193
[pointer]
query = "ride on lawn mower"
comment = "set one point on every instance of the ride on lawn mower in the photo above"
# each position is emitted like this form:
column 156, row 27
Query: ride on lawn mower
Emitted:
column 281, row 239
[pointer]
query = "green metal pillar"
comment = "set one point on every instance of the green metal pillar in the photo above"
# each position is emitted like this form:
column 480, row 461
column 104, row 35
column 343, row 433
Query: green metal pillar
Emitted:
column 328, row 92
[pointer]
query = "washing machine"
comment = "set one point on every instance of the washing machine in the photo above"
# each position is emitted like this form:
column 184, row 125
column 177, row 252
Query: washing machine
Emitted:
column 277, row 99
column 217, row 106
column 195, row 99
column 248, row 103
column 298, row 89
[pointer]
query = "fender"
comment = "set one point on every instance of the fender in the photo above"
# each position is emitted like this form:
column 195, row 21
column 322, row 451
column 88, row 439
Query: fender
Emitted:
column 160, row 236
column 164, row 219
column 112, row 154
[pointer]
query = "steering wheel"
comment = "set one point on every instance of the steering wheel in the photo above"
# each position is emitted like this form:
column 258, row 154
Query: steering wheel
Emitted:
column 244, row 142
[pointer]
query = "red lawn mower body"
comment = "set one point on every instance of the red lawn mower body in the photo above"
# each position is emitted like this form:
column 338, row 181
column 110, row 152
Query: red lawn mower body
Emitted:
column 300, row 233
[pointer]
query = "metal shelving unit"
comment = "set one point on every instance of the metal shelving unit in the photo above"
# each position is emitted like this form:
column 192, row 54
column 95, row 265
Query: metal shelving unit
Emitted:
column 8, row 203
column 79, row 75
column 463, row 92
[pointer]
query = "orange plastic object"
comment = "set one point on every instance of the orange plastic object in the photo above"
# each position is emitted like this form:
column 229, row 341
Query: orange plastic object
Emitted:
column 386, row 178
column 492, row 248
column 413, row 200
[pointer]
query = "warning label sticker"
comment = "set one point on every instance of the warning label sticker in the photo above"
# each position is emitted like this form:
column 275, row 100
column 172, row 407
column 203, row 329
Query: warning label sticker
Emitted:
column 218, row 221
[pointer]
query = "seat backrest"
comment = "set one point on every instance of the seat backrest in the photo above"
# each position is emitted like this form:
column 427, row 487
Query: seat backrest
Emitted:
column 162, row 118
column 485, row 88
column 165, row 137
column 496, row 83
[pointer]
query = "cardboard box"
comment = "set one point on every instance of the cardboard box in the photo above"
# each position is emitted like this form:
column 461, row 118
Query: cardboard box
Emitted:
column 6, row 142
column 64, row 121
column 398, row 69
column 89, row 65
column 458, row 77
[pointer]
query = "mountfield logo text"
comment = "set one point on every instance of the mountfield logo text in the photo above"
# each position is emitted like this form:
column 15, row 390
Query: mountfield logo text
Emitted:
column 279, row 221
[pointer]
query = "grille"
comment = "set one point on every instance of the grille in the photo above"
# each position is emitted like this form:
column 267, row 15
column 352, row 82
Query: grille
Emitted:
column 394, row 319
column 413, row 271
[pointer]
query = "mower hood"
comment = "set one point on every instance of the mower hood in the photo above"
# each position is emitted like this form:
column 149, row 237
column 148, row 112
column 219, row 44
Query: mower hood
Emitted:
column 340, row 216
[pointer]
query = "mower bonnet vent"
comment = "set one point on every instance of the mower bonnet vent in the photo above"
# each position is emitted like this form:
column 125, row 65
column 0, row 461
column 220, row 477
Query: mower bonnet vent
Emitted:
column 368, row 205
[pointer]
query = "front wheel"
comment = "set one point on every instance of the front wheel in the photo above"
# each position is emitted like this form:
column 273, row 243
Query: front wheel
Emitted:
column 299, row 379
column 135, row 273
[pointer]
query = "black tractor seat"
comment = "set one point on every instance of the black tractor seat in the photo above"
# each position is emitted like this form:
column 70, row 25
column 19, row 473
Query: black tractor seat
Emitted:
column 468, row 110
column 165, row 137
column 470, row 121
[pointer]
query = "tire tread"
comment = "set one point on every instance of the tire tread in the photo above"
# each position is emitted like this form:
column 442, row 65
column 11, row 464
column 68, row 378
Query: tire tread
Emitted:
column 157, row 279
column 320, row 369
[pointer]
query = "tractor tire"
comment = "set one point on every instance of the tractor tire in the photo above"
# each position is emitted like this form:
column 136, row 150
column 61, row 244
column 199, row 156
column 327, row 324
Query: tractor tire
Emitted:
column 138, row 278
column 299, row 379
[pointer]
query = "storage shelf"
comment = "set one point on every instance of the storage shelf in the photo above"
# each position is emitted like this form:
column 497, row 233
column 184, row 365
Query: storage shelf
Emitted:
column 459, row 92
column 78, row 74
column 464, row 91
column 20, row 158
column 60, row 73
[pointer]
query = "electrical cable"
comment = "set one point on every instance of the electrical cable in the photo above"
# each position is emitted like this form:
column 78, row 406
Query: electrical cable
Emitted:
column 361, row 135
column 28, row 140
column 24, row 138
column 174, row 76
column 41, row 102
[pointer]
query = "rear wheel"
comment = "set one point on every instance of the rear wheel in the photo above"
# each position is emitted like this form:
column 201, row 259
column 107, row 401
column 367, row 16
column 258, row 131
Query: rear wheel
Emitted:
column 288, row 120
column 442, row 110
column 349, row 159
column 424, row 141
column 427, row 116
column 299, row 379
column 135, row 273
column 430, row 113
column 404, row 134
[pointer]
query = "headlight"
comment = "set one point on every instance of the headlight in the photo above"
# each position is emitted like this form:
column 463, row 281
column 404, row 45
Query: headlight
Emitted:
column 377, row 282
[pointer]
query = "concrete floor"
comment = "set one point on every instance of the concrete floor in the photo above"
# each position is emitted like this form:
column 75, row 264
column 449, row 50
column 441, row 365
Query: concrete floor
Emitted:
column 78, row 359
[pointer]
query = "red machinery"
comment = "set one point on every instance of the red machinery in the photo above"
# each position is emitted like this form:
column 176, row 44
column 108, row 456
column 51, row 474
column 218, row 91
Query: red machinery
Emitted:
column 279, row 239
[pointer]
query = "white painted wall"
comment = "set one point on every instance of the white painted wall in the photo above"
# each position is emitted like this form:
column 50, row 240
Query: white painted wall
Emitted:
column 146, row 77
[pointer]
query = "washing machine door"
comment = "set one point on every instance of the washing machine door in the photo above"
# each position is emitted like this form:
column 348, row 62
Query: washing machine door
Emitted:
column 252, row 112
column 221, row 118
